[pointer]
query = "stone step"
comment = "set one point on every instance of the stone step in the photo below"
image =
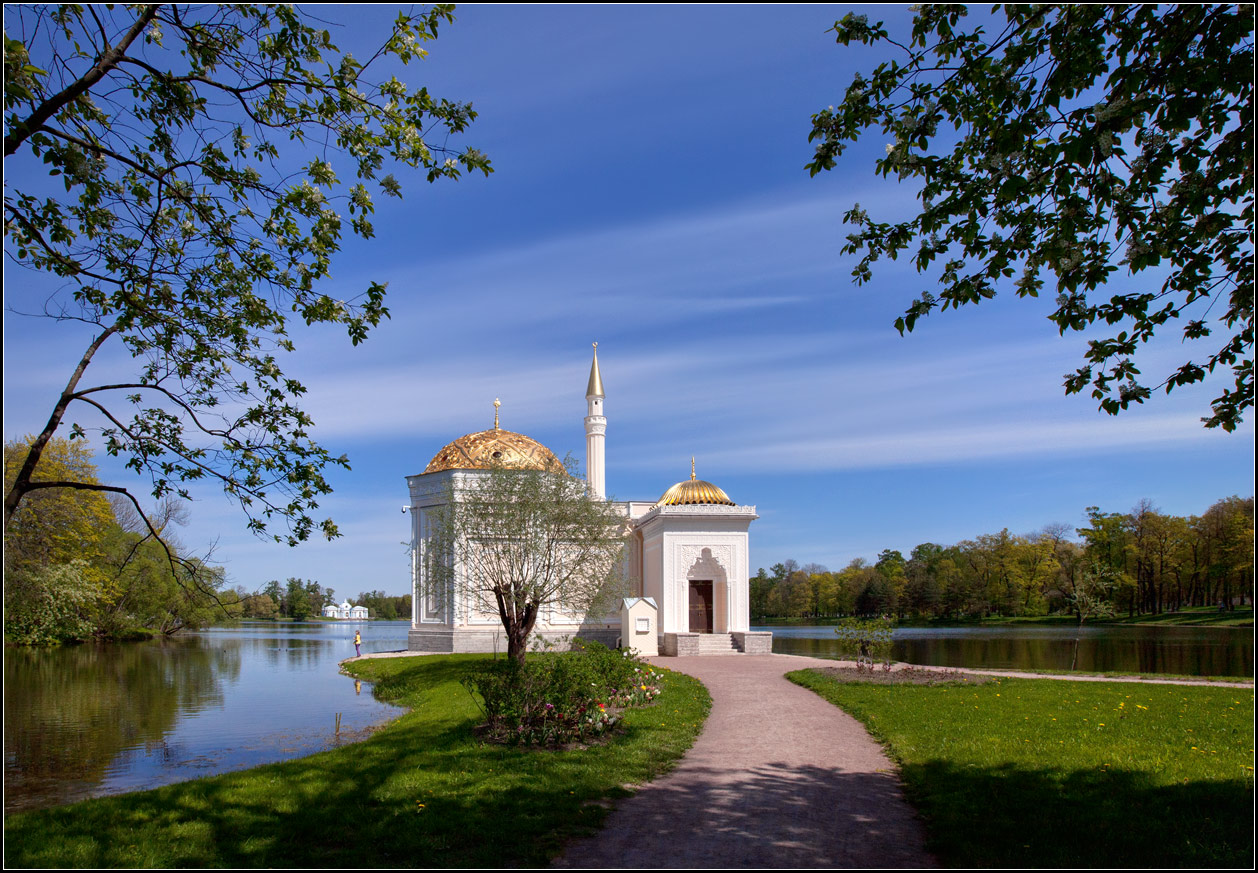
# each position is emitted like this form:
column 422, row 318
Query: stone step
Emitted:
column 713, row 644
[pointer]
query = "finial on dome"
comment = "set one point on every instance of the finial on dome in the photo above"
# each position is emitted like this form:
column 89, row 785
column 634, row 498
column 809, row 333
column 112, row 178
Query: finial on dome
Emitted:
column 694, row 491
column 497, row 403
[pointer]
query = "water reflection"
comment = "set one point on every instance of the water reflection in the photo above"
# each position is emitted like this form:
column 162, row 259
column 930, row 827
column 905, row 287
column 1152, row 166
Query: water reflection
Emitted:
column 89, row 720
column 1186, row 651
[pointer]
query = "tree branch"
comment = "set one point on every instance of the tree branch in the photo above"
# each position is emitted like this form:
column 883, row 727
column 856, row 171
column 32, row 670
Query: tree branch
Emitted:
column 19, row 133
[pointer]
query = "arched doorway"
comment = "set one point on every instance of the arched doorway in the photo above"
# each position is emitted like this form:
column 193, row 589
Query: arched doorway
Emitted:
column 707, row 595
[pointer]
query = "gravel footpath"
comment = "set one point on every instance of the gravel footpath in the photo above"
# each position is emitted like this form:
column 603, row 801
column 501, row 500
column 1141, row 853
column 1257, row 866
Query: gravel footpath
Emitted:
column 778, row 778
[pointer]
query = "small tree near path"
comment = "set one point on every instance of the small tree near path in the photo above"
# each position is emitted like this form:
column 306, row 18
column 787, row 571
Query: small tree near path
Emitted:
column 520, row 541
column 1091, row 597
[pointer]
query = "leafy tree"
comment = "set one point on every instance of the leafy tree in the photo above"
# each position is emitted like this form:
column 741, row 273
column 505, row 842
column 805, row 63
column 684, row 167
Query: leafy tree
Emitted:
column 195, row 208
column 1092, row 597
column 50, row 605
column 56, row 526
column 142, row 592
column 273, row 590
column 260, row 606
column 385, row 606
column 1227, row 529
column 922, row 589
column 759, row 588
column 515, row 541
column 297, row 603
column 1071, row 144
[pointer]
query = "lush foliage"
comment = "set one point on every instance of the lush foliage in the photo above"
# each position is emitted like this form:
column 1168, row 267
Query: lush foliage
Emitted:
column 388, row 607
column 422, row 792
column 50, row 605
column 867, row 641
column 296, row 599
column 1141, row 562
column 562, row 697
column 56, row 526
column 512, row 542
column 187, row 173
column 1107, row 149
column 77, row 566
column 1054, row 774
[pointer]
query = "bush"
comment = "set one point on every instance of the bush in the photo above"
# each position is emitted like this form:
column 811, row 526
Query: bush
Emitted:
column 561, row 697
column 50, row 605
column 866, row 641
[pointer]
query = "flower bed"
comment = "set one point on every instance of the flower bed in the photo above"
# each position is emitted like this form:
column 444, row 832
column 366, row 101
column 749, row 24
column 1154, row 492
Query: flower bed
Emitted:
column 557, row 698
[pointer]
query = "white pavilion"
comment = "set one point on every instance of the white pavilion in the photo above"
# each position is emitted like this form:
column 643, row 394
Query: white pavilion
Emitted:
column 344, row 611
column 687, row 557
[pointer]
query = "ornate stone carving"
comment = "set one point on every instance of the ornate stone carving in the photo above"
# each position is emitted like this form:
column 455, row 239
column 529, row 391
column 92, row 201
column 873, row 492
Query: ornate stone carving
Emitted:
column 687, row 556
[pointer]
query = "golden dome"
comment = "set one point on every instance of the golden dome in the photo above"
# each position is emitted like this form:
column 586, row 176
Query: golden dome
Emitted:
column 495, row 448
column 692, row 490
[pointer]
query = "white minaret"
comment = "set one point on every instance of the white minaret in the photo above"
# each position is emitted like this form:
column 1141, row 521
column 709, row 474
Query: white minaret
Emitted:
column 595, row 429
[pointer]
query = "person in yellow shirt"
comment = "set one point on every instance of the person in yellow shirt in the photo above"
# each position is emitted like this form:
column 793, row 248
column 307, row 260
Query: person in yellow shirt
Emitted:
column 358, row 639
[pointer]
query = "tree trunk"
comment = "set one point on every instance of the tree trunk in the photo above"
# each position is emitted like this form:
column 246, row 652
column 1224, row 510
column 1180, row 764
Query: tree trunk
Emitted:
column 519, row 625
column 21, row 483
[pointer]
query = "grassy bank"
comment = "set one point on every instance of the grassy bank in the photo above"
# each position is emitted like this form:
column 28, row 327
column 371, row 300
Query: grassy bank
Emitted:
column 1047, row 773
column 422, row 792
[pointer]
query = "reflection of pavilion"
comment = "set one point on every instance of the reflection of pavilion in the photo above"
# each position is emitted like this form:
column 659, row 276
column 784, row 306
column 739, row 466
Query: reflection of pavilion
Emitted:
column 688, row 552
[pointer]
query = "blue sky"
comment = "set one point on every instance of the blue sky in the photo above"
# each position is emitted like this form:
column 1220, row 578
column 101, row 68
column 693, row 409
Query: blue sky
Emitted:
column 650, row 194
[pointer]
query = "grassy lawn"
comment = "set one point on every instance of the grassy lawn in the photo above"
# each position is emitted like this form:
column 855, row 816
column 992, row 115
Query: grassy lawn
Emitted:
column 1048, row 773
column 422, row 792
column 1124, row 674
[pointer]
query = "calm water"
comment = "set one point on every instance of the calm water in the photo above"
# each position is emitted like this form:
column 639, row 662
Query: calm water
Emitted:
column 84, row 721
column 1190, row 651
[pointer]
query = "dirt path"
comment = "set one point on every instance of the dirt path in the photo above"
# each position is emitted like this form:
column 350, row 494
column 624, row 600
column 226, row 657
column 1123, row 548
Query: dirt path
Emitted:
column 778, row 778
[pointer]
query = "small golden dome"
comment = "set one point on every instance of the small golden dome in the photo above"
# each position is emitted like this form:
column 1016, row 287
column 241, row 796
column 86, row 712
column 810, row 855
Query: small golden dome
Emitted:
column 495, row 448
column 692, row 491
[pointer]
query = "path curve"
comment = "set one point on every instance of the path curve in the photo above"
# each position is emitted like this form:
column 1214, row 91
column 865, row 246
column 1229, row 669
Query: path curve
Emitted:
column 778, row 778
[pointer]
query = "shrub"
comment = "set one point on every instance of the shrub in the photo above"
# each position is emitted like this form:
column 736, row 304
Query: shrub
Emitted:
column 866, row 641
column 50, row 605
column 555, row 698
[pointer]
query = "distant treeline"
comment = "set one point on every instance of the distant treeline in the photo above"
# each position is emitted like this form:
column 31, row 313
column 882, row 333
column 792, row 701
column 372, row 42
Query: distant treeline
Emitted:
column 296, row 599
column 299, row 599
column 385, row 606
column 1139, row 562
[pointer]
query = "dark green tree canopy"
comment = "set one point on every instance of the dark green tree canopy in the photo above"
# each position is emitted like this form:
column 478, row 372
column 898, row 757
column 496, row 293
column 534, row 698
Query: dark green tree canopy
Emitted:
column 188, row 173
column 1107, row 149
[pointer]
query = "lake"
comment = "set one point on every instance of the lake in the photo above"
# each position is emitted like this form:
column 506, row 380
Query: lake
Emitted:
column 1188, row 651
column 86, row 721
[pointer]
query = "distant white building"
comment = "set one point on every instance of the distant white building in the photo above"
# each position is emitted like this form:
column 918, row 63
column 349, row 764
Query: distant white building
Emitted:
column 344, row 611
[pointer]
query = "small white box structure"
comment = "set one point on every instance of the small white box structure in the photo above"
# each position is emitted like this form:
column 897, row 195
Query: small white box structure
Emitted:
column 639, row 626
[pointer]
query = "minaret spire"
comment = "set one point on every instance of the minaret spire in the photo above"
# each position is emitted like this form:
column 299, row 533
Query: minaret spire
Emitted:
column 595, row 430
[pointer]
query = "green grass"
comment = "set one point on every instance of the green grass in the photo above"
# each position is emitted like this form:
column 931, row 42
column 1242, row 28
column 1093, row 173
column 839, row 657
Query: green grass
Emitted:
column 1049, row 773
column 422, row 792
column 1121, row 674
